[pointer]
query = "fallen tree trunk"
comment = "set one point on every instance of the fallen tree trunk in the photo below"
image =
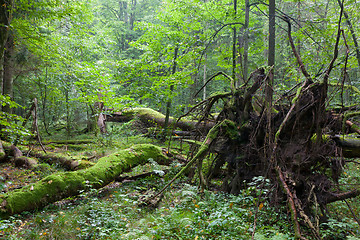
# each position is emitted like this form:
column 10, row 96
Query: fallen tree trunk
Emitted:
column 20, row 160
column 151, row 117
column 69, row 163
column 10, row 153
column 66, row 142
column 350, row 146
column 66, row 184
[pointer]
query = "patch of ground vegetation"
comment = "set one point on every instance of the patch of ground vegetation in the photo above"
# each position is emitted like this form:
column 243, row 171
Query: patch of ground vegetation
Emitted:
column 184, row 212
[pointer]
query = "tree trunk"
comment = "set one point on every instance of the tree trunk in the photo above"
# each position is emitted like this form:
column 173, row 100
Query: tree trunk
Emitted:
column 8, row 72
column 5, row 19
column 67, row 104
column 168, row 104
column 151, row 117
column 204, row 79
column 66, row 184
column 44, row 98
column 350, row 146
column 270, row 78
column 234, row 45
column 100, row 117
column 353, row 34
column 69, row 163
column 246, row 41
column 18, row 159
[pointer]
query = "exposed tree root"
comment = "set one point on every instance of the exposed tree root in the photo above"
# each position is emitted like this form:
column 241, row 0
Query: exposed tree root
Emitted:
column 307, row 168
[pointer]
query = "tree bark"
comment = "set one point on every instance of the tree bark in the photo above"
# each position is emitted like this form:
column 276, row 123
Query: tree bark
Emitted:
column 66, row 184
column 8, row 72
column 151, row 117
column 20, row 160
column 168, row 104
column 99, row 108
column 5, row 20
column 234, row 45
column 246, row 41
column 353, row 34
column 69, row 163
column 350, row 146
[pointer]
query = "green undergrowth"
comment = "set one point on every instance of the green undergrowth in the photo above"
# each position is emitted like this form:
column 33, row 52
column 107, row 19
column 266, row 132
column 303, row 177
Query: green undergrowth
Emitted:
column 183, row 213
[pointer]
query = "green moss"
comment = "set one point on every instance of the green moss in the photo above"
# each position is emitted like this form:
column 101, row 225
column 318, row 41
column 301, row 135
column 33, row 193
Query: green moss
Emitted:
column 293, row 101
column 325, row 138
column 149, row 112
column 83, row 164
column 231, row 129
column 70, row 142
column 346, row 117
column 59, row 185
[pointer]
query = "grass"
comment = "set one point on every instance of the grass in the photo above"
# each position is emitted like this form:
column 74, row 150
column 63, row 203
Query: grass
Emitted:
column 183, row 213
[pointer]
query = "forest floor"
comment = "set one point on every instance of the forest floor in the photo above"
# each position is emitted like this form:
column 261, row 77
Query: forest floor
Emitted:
column 114, row 212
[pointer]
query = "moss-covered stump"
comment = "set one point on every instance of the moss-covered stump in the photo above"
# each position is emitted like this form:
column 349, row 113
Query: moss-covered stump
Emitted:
column 66, row 184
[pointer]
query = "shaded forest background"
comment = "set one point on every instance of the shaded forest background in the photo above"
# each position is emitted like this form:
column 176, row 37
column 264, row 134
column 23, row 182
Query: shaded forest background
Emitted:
column 266, row 73
column 72, row 54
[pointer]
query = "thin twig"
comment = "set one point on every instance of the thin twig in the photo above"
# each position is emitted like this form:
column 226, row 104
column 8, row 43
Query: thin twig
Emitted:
column 352, row 212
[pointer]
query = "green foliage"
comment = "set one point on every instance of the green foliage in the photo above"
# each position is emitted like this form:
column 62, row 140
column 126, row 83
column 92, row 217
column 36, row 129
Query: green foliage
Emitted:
column 335, row 229
column 11, row 124
column 112, row 212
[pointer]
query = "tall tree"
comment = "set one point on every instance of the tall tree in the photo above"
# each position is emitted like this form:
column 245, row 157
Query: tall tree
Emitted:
column 6, row 8
column 8, row 71
column 270, row 79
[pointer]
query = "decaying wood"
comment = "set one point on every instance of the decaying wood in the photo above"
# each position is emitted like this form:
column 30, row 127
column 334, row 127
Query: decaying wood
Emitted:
column 199, row 156
column 140, row 176
column 65, row 142
column 150, row 117
column 312, row 166
column 69, row 163
column 350, row 146
column 66, row 184
column 20, row 160
column 291, row 201
column 353, row 126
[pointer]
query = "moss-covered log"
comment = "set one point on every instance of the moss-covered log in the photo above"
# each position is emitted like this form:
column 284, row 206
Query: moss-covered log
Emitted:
column 66, row 184
column 70, row 142
column 69, row 163
column 14, row 155
column 350, row 146
column 151, row 117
